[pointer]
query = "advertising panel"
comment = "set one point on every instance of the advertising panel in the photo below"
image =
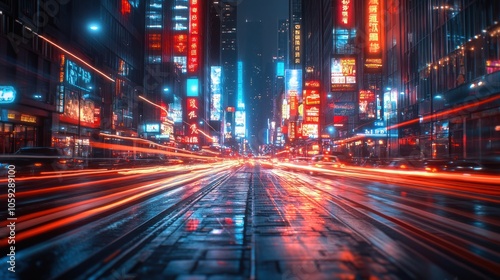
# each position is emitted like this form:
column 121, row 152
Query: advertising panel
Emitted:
column 310, row 130
column 280, row 69
column 215, row 93
column 192, row 87
column 78, row 76
column 367, row 105
column 343, row 74
column 239, row 124
column 344, row 109
column 311, row 114
column 76, row 108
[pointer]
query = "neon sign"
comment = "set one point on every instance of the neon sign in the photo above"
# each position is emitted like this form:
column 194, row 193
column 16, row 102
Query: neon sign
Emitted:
column 194, row 37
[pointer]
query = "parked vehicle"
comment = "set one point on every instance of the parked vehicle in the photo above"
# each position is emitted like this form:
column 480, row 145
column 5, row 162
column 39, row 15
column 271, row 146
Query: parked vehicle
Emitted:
column 404, row 164
column 465, row 166
column 33, row 160
column 436, row 165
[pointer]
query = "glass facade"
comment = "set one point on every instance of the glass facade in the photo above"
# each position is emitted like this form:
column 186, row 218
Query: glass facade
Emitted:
column 452, row 57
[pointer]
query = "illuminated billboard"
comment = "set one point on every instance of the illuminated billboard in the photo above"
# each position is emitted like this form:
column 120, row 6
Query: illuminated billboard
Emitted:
column 152, row 127
column 343, row 74
column 293, row 83
column 215, row 93
column 77, row 76
column 192, row 87
column 280, row 69
column 367, row 109
column 240, row 101
column 175, row 110
column 7, row 94
column 79, row 111
column 310, row 131
column 239, row 124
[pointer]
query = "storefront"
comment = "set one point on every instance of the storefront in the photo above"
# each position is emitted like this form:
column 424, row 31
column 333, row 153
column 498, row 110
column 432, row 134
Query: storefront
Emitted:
column 19, row 130
column 79, row 116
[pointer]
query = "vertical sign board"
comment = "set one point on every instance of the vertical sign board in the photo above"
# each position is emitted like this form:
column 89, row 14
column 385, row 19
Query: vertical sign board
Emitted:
column 345, row 14
column 192, row 111
column 293, row 89
column 194, row 37
column 374, row 48
column 297, row 44
column 192, row 120
column 367, row 106
column 215, row 93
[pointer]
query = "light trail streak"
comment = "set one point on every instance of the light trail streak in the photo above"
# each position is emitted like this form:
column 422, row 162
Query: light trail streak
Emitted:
column 54, row 218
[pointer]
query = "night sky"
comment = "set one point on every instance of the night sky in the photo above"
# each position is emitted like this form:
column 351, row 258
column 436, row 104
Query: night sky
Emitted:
column 269, row 11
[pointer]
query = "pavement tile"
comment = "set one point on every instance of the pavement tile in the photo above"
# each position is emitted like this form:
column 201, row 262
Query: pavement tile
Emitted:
column 191, row 277
column 224, row 254
column 177, row 267
column 217, row 267
column 299, row 267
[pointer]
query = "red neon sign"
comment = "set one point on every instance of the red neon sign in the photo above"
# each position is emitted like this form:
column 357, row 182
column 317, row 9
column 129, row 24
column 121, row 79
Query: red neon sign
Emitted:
column 194, row 37
column 374, row 27
column 345, row 15
column 192, row 117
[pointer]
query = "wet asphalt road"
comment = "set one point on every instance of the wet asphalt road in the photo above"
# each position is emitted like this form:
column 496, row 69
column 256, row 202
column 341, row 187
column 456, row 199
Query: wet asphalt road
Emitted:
column 252, row 222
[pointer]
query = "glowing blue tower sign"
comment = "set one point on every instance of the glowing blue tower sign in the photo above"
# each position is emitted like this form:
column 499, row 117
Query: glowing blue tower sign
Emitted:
column 241, row 103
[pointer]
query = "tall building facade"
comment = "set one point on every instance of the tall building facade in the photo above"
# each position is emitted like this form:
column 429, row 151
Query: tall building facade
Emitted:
column 229, row 64
column 448, row 105
column 403, row 78
column 70, row 72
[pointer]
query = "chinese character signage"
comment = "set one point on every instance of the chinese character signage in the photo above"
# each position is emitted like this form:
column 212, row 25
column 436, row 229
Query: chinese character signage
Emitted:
column 296, row 36
column 180, row 44
column 345, row 13
column 192, row 109
column 343, row 74
column 194, row 37
column 374, row 34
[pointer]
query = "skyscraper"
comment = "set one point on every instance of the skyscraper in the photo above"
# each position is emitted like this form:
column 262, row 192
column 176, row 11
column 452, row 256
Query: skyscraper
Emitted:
column 229, row 60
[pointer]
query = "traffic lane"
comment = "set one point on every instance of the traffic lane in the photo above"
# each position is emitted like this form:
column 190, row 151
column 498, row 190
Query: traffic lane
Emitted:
column 417, row 213
column 59, row 213
column 297, row 235
column 35, row 193
column 50, row 256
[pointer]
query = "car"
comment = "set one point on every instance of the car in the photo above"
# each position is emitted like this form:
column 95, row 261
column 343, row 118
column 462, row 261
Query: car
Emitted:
column 436, row 165
column 467, row 166
column 325, row 162
column 404, row 164
column 34, row 160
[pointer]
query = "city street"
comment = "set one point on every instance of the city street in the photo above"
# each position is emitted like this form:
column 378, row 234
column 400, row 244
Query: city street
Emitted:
column 253, row 219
